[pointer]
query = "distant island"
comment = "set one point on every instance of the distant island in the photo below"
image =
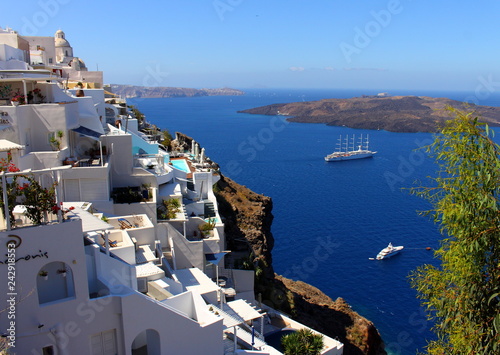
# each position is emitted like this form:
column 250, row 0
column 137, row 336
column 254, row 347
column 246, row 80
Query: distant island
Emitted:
column 129, row 91
column 380, row 112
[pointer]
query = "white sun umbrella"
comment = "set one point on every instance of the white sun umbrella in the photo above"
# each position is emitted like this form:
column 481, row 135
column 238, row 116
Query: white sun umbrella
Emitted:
column 202, row 157
column 196, row 151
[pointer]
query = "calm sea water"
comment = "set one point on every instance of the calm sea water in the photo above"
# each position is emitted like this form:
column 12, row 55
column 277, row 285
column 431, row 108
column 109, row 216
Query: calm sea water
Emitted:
column 330, row 218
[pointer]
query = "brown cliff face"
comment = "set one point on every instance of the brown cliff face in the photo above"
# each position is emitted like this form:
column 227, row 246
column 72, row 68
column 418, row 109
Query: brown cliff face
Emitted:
column 248, row 220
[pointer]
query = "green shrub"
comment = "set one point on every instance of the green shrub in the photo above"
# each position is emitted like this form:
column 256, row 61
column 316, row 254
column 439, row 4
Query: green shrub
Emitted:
column 302, row 342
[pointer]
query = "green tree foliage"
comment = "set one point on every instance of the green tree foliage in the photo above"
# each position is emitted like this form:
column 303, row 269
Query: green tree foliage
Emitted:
column 138, row 114
column 167, row 138
column 168, row 209
column 462, row 295
column 302, row 342
column 25, row 189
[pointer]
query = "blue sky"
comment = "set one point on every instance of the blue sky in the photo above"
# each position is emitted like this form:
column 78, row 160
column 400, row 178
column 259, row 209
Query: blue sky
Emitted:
column 383, row 45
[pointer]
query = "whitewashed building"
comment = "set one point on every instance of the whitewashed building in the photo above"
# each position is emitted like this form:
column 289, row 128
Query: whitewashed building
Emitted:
column 115, row 269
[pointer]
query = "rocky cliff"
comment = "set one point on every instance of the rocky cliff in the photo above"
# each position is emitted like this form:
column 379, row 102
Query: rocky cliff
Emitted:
column 393, row 113
column 248, row 218
column 157, row 92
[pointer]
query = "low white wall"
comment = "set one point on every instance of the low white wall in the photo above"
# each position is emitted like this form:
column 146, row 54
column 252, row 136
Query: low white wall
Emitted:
column 182, row 303
column 117, row 275
column 211, row 245
column 126, row 249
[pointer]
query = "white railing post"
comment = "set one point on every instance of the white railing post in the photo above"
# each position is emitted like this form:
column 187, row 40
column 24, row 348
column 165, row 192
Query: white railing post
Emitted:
column 235, row 340
column 5, row 201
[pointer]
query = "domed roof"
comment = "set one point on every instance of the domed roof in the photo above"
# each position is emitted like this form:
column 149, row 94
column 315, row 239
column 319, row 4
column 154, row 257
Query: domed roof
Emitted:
column 61, row 42
column 59, row 39
column 78, row 64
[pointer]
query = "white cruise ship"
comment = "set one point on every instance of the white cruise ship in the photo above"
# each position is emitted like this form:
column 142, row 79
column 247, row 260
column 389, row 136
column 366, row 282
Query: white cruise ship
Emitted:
column 345, row 150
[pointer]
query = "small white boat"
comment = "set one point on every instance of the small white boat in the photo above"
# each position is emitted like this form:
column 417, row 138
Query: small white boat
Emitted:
column 389, row 251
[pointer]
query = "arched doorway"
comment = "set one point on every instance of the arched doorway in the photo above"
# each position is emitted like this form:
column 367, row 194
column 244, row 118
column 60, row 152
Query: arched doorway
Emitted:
column 146, row 342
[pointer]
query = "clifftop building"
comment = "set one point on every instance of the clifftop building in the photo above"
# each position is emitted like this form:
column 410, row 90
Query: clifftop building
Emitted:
column 57, row 53
column 64, row 51
column 126, row 255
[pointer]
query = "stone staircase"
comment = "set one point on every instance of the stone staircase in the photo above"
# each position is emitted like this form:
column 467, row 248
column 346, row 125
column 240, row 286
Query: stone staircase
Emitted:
column 209, row 210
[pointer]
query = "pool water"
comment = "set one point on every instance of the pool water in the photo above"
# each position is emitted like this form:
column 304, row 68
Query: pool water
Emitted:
column 274, row 339
column 181, row 164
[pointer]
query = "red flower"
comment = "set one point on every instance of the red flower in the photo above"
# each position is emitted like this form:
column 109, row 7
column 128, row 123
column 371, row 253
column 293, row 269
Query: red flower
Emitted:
column 71, row 208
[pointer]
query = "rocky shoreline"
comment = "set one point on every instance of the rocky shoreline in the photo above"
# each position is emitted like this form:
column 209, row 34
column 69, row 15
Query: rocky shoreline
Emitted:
column 248, row 218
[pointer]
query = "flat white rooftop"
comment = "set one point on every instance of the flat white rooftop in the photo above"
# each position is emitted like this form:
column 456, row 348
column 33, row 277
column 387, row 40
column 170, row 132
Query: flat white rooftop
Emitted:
column 194, row 279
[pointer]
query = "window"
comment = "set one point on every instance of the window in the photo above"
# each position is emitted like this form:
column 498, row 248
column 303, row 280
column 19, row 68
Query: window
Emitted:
column 50, row 60
column 48, row 350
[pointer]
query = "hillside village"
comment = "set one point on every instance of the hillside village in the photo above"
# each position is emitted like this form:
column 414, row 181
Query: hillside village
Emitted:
column 113, row 241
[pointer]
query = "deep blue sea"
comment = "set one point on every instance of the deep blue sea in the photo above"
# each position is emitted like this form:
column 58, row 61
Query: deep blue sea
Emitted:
column 329, row 218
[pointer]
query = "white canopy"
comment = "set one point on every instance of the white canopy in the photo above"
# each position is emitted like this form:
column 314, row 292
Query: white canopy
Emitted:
column 243, row 310
column 6, row 145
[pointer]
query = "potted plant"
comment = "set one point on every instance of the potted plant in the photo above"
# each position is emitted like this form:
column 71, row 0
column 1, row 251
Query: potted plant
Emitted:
column 55, row 140
column 56, row 145
column 18, row 98
column 207, row 227
column 43, row 274
column 62, row 272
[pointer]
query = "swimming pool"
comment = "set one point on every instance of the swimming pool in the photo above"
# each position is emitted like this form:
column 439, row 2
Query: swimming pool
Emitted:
column 274, row 339
column 181, row 164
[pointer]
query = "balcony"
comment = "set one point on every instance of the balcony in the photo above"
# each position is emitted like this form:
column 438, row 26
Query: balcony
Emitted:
column 155, row 164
